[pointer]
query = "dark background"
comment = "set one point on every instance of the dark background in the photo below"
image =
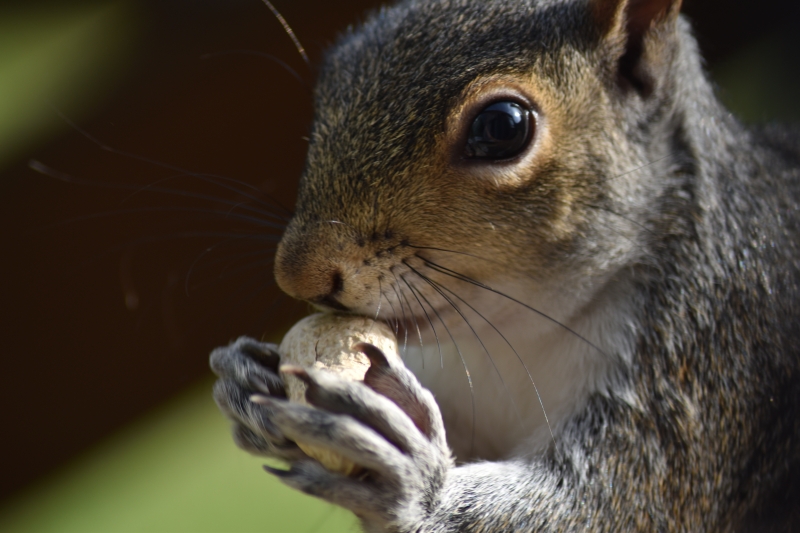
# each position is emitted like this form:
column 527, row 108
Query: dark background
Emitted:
column 98, row 325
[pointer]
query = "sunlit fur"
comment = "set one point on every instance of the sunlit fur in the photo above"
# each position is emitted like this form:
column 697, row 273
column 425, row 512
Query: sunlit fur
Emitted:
column 610, row 316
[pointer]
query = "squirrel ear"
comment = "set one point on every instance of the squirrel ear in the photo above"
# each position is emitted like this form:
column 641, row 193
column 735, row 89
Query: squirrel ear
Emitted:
column 633, row 28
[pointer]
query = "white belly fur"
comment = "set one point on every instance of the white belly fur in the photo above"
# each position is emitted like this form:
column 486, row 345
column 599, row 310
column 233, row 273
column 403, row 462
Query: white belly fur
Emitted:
column 508, row 418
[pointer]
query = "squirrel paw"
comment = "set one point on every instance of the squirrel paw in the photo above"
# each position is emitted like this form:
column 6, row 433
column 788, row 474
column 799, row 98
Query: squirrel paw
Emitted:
column 388, row 424
column 247, row 367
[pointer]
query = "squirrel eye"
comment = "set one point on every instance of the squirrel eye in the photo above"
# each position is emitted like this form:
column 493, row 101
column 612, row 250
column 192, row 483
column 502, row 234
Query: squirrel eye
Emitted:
column 500, row 131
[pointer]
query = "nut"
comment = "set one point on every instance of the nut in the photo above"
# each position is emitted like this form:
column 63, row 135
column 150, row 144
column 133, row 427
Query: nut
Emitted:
column 325, row 341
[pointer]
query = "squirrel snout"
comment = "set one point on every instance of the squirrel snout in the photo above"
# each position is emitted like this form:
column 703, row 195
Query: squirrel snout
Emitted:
column 310, row 277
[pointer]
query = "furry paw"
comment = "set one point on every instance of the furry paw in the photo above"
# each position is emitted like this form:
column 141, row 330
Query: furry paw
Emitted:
column 388, row 424
column 247, row 367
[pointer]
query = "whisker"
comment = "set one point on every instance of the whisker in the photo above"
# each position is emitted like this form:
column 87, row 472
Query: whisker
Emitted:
column 405, row 319
column 519, row 358
column 232, row 259
column 212, row 179
column 226, row 273
column 61, row 176
column 435, row 286
column 394, row 320
column 207, row 251
column 339, row 223
column 269, row 312
column 640, row 167
column 249, row 290
column 430, row 322
column 245, row 255
column 413, row 316
column 623, row 217
column 463, row 363
column 621, row 235
column 158, row 209
column 152, row 239
column 256, row 53
column 457, row 252
column 452, row 273
column 40, row 167
column 289, row 32
column 391, row 305
column 380, row 301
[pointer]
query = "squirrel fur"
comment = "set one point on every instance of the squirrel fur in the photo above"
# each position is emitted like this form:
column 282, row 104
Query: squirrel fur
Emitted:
column 607, row 321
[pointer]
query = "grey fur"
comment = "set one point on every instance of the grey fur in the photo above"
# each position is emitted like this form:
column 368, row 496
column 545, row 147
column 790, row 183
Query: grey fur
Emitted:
column 695, row 423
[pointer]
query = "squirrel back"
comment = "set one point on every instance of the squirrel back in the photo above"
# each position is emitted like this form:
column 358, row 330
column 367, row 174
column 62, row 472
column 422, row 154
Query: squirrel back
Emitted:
column 590, row 262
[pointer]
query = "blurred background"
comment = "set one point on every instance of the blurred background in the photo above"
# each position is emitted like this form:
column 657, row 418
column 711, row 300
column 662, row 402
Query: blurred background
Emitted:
column 149, row 152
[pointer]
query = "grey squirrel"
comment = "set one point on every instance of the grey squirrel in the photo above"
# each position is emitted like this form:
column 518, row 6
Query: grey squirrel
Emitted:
column 589, row 262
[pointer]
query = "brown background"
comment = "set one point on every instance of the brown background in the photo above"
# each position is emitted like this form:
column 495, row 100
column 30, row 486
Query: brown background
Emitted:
column 78, row 362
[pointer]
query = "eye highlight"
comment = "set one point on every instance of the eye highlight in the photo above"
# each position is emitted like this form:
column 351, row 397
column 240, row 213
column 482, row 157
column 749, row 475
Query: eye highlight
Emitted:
column 501, row 130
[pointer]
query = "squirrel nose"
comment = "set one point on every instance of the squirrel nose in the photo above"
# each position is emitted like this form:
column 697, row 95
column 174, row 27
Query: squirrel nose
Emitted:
column 335, row 287
column 308, row 276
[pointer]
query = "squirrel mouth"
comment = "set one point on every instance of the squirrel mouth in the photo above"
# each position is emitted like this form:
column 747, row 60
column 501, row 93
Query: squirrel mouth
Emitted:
column 329, row 303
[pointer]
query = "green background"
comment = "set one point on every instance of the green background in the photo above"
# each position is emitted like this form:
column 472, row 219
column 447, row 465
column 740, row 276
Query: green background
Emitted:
column 176, row 470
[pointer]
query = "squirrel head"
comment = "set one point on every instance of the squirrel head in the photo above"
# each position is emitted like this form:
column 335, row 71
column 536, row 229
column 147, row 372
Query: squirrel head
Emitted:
column 485, row 140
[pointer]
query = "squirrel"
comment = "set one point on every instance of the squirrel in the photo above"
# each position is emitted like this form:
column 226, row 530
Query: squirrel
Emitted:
column 591, row 265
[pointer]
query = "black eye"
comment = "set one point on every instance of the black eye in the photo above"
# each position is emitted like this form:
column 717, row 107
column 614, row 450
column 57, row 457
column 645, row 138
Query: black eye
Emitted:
column 501, row 131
